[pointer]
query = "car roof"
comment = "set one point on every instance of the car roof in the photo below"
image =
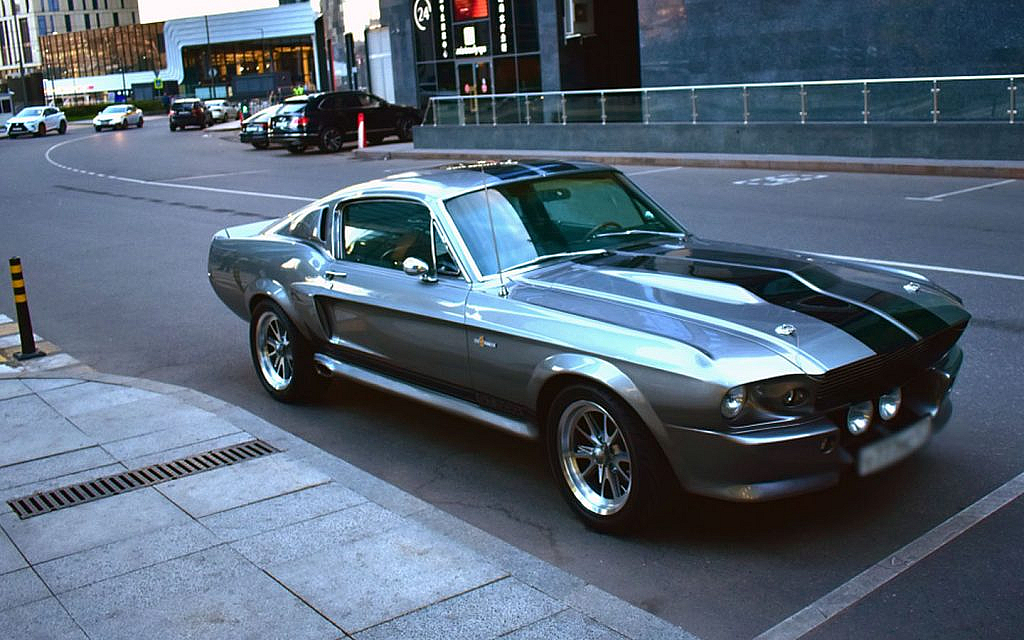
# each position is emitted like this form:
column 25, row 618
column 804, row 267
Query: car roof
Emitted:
column 450, row 180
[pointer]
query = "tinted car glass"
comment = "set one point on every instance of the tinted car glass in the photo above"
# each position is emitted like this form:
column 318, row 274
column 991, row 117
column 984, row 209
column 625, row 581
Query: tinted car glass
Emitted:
column 291, row 107
column 384, row 233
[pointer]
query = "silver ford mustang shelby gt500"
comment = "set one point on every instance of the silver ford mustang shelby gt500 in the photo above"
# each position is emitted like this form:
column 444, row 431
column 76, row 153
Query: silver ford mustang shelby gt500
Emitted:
column 558, row 301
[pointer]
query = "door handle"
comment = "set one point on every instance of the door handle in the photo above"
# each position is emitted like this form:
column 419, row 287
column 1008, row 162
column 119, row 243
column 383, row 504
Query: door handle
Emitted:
column 332, row 275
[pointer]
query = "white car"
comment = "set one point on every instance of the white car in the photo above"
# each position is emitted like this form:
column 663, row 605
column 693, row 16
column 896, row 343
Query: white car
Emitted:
column 222, row 110
column 118, row 116
column 37, row 121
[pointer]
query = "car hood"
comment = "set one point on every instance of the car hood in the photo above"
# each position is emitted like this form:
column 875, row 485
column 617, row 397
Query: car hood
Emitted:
column 817, row 312
column 24, row 119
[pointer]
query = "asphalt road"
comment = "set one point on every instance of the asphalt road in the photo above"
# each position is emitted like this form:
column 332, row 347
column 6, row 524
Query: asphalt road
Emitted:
column 116, row 275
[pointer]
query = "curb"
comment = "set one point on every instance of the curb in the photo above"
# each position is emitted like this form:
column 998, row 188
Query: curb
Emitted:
column 896, row 166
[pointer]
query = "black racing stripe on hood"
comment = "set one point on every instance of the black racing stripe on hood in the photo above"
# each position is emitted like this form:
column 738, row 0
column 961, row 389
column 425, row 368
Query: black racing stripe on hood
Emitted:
column 770, row 283
column 920, row 320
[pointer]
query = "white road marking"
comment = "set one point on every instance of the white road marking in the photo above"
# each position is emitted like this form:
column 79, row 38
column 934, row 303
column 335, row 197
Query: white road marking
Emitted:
column 785, row 178
column 923, row 267
column 153, row 183
column 939, row 197
column 646, row 171
column 217, row 175
column 868, row 581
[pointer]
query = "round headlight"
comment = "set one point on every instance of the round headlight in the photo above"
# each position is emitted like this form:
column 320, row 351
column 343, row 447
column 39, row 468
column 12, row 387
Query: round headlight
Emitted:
column 858, row 418
column 733, row 401
column 889, row 404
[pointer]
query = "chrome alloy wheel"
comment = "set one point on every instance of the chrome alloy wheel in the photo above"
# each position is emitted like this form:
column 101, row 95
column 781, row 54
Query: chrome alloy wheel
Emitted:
column 594, row 458
column 277, row 364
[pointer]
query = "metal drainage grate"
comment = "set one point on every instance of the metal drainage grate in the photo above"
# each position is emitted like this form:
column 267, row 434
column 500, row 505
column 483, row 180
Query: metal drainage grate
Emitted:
column 75, row 494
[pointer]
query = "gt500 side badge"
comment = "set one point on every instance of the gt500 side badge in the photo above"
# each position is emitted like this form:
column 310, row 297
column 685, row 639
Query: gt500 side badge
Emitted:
column 911, row 287
column 482, row 342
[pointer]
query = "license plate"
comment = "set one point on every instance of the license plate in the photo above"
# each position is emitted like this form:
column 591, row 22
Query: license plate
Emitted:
column 256, row 129
column 894, row 448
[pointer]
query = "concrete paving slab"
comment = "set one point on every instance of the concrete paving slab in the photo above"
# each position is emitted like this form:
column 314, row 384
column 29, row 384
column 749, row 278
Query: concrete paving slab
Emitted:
column 567, row 625
column 370, row 581
column 21, row 587
column 124, row 556
column 133, row 418
column 25, row 410
column 61, row 464
column 487, row 612
column 41, row 620
column 211, row 594
column 47, row 384
column 48, row 435
column 13, row 389
column 375, row 489
column 10, row 558
column 244, row 483
column 92, row 524
column 187, row 450
column 623, row 617
column 92, row 396
column 281, row 511
column 312, row 536
column 14, row 340
column 193, row 425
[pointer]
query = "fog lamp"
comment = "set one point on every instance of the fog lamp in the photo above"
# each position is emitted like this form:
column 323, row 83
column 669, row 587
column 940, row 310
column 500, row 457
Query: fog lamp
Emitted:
column 858, row 418
column 733, row 401
column 889, row 404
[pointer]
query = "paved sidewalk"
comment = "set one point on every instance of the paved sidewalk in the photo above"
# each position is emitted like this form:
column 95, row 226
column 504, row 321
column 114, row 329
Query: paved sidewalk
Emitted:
column 294, row 544
column 906, row 166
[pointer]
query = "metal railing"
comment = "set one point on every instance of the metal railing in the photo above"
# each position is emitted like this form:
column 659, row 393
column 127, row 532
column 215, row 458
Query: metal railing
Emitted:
column 932, row 99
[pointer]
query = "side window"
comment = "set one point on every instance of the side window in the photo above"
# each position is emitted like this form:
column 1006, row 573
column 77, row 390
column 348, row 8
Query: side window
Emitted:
column 386, row 232
column 349, row 100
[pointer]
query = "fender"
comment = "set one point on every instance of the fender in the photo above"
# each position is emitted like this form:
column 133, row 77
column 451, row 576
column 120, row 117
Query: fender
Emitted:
column 602, row 373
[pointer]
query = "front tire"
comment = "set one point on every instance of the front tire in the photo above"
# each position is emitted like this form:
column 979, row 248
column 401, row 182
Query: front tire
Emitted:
column 98, row 129
column 62, row 128
column 282, row 356
column 608, row 466
column 40, row 130
column 139, row 124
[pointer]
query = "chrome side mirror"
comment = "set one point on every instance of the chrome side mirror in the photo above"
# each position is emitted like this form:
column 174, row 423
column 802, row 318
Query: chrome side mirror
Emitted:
column 416, row 267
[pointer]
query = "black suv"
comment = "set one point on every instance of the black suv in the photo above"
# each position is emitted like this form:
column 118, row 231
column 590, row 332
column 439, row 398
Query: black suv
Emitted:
column 189, row 112
column 328, row 120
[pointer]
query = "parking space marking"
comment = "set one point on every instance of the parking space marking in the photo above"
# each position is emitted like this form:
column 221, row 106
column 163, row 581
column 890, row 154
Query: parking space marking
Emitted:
column 938, row 198
column 646, row 171
column 923, row 267
column 862, row 585
column 153, row 183
column 785, row 178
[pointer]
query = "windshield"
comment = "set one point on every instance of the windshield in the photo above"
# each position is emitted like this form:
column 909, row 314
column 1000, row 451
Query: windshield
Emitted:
column 115, row 109
column 29, row 112
column 552, row 216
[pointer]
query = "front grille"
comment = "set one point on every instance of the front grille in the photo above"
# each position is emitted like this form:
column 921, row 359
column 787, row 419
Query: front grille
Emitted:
column 877, row 374
column 112, row 485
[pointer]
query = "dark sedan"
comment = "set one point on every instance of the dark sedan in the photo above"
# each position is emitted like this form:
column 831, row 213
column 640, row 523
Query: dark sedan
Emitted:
column 328, row 120
column 558, row 301
column 256, row 128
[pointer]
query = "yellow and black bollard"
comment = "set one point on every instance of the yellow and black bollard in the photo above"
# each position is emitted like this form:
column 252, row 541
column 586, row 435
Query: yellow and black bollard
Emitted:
column 28, row 340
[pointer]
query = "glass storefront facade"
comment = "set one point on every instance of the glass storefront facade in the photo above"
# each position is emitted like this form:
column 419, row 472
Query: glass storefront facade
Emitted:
column 228, row 60
column 98, row 52
column 475, row 47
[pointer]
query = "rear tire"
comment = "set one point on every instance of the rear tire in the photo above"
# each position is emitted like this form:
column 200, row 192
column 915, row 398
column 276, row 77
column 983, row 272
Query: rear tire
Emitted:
column 260, row 145
column 405, row 129
column 282, row 356
column 331, row 140
column 607, row 465
column 173, row 128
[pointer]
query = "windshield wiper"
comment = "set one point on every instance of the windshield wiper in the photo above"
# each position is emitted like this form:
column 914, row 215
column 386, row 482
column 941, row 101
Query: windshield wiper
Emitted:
column 556, row 256
column 679, row 235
